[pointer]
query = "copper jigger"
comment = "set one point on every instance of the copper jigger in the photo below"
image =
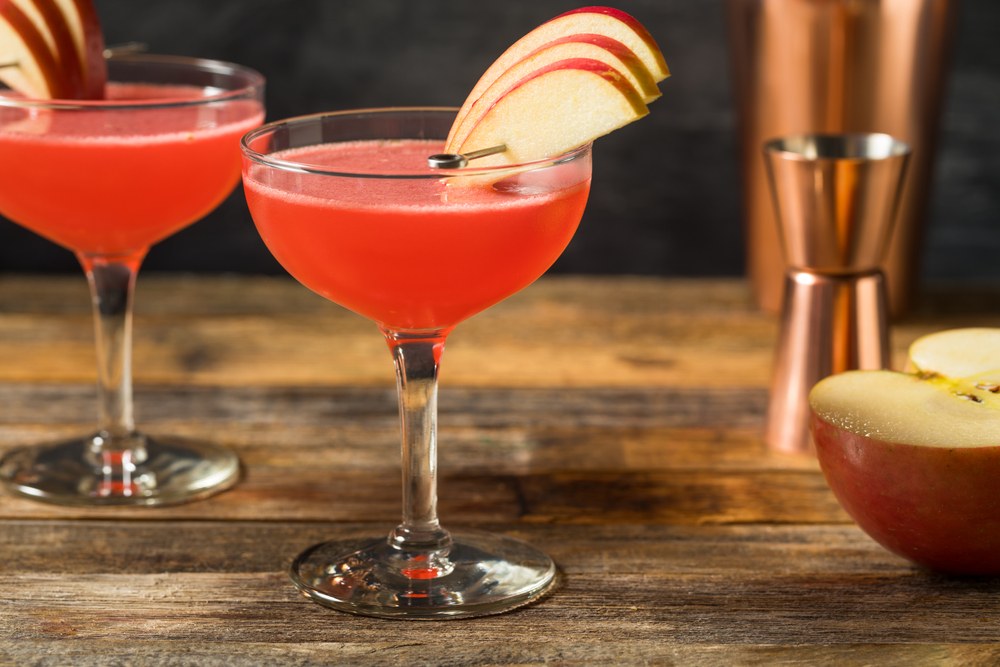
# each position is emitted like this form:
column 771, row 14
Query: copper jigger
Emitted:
column 837, row 197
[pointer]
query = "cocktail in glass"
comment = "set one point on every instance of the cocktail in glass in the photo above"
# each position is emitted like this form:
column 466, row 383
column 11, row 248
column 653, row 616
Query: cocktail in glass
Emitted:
column 348, row 205
column 107, row 179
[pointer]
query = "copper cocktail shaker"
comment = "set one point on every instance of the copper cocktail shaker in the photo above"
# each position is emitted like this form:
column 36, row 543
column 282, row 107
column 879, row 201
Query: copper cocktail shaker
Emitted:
column 837, row 197
column 802, row 66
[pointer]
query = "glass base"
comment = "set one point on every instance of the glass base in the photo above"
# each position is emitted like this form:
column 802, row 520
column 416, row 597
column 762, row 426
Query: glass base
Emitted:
column 160, row 472
column 480, row 574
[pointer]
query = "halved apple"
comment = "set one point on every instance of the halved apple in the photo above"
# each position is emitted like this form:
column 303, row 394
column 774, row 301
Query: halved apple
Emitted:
column 27, row 64
column 914, row 458
column 555, row 109
column 596, row 47
column 606, row 21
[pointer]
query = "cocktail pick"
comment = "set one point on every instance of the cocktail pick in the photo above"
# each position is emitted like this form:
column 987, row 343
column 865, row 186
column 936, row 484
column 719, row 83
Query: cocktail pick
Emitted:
column 109, row 52
column 459, row 160
column 125, row 49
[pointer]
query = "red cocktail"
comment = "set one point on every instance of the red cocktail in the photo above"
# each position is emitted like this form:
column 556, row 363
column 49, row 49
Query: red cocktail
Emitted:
column 348, row 204
column 107, row 179
column 412, row 253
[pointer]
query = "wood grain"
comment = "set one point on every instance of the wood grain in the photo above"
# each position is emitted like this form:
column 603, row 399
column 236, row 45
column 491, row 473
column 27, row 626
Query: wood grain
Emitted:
column 615, row 423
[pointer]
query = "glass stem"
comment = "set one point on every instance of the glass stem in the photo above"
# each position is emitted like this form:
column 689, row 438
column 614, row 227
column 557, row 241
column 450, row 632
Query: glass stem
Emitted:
column 416, row 356
column 112, row 285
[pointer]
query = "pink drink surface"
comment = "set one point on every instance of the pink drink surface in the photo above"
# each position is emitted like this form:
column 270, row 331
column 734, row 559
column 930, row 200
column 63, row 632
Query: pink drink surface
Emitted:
column 112, row 182
column 412, row 254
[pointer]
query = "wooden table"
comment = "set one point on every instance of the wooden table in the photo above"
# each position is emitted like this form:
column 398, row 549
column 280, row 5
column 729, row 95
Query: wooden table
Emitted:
column 615, row 423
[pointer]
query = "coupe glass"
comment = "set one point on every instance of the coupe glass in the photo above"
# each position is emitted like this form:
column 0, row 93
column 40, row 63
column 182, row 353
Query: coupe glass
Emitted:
column 107, row 179
column 347, row 204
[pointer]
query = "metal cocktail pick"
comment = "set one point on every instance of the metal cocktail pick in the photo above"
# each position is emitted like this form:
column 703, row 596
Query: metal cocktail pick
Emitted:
column 836, row 198
column 459, row 160
column 110, row 52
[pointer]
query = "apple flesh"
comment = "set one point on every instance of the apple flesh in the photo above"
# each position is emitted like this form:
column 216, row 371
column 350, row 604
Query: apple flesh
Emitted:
column 605, row 21
column 914, row 459
column 595, row 47
column 553, row 110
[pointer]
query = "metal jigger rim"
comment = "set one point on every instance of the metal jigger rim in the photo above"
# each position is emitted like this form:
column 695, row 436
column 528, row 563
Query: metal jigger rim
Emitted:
column 816, row 146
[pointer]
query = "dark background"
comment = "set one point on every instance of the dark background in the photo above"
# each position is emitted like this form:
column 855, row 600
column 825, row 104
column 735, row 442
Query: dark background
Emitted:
column 666, row 189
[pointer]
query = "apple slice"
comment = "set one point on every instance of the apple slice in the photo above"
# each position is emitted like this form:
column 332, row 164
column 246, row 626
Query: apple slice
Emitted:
column 555, row 109
column 51, row 23
column 596, row 47
column 914, row 458
column 612, row 23
column 52, row 48
column 27, row 64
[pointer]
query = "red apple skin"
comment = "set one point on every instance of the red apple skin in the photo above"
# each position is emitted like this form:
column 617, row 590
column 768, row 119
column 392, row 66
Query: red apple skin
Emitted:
column 95, row 68
column 936, row 506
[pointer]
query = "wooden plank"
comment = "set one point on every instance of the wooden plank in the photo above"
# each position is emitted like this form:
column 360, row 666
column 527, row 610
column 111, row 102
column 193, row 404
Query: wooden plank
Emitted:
column 669, row 498
column 582, row 456
column 625, row 591
column 123, row 548
column 487, row 408
column 226, row 331
column 563, row 331
column 473, row 651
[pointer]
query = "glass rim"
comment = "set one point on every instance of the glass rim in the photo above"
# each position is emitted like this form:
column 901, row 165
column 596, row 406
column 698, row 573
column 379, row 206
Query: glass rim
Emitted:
column 430, row 173
column 255, row 82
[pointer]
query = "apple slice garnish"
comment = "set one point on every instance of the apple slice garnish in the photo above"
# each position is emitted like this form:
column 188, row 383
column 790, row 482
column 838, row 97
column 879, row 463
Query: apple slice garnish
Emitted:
column 595, row 47
column 52, row 48
column 51, row 23
column 606, row 21
column 27, row 64
column 553, row 110
column 914, row 458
